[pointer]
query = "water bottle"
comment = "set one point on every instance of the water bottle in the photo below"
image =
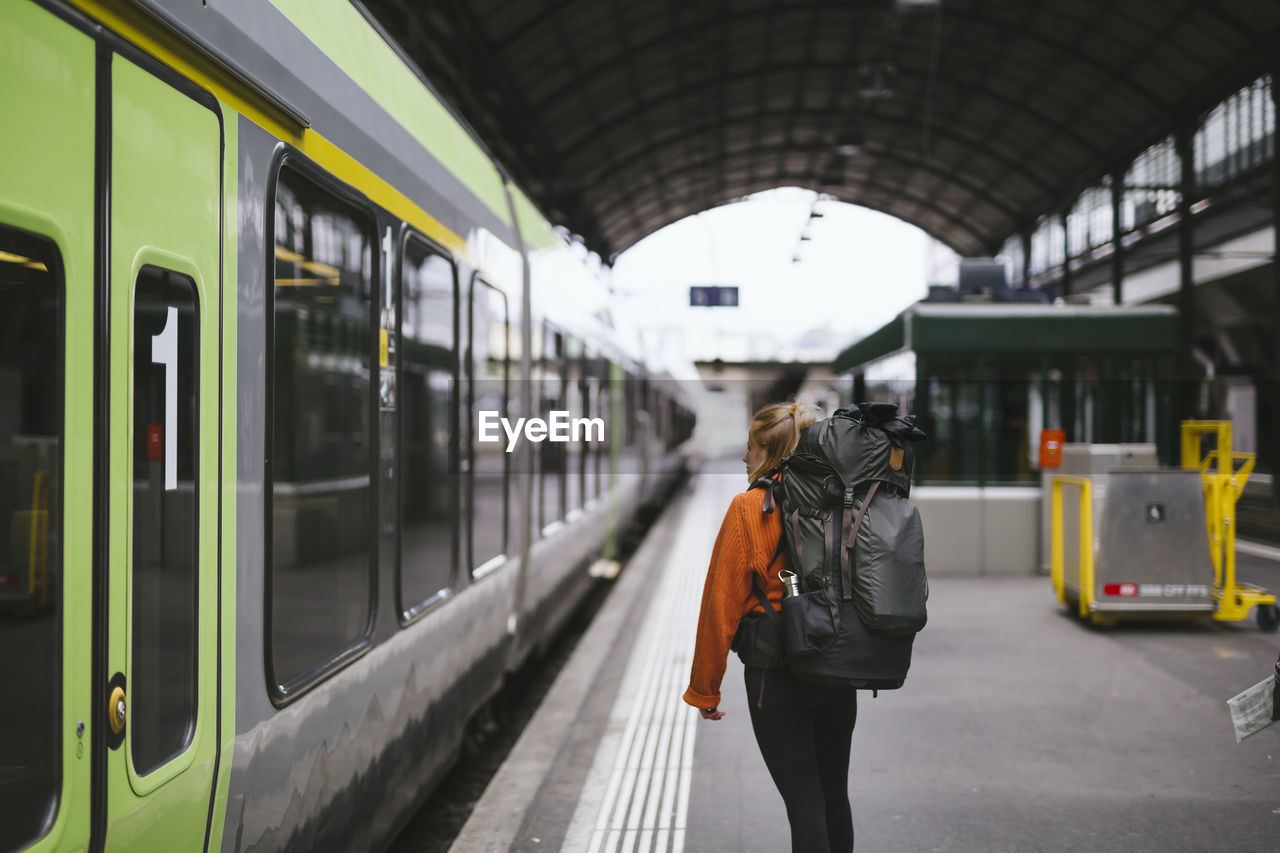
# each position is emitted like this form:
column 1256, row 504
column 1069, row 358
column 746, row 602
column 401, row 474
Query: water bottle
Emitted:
column 790, row 583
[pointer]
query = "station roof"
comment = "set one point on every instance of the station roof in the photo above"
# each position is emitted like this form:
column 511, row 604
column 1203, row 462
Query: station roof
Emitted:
column 1019, row 329
column 968, row 118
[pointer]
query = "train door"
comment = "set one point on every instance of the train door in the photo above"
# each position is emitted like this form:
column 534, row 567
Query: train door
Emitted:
column 162, row 494
column 46, row 428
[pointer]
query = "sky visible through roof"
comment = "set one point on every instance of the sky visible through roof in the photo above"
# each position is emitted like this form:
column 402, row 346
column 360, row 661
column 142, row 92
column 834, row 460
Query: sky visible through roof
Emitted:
column 800, row 300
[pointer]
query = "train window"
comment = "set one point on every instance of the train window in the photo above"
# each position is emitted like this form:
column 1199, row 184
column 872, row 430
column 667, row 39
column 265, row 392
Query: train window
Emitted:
column 610, row 409
column 591, row 408
column 488, row 463
column 630, row 455
column 631, row 390
column 320, row 451
column 428, row 495
column 657, row 418
column 573, row 402
column 31, row 390
column 600, row 464
column 165, row 547
column 551, row 454
column 515, row 405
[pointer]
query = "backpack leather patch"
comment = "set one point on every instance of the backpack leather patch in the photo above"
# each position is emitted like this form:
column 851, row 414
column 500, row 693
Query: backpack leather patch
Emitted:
column 895, row 458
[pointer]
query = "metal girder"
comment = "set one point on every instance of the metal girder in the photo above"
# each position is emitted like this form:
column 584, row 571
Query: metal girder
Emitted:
column 607, row 171
column 574, row 144
column 981, row 194
column 1034, row 85
column 954, row 219
column 990, row 110
column 645, row 48
column 635, row 83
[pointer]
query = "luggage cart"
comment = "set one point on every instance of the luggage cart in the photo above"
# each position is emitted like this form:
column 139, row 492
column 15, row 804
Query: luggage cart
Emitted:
column 1165, row 547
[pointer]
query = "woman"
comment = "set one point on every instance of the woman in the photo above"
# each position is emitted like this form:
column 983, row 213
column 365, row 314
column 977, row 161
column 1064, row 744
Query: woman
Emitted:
column 803, row 730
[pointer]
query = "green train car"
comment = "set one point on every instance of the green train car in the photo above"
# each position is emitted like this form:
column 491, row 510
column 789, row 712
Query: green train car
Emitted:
column 257, row 570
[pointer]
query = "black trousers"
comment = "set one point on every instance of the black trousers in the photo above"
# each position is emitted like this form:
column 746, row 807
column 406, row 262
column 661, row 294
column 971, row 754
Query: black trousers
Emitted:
column 804, row 732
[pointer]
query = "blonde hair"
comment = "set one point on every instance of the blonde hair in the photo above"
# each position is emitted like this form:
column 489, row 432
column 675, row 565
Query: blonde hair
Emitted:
column 776, row 427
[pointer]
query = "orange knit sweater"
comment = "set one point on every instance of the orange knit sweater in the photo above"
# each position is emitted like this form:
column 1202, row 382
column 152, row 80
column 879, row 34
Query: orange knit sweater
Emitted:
column 744, row 546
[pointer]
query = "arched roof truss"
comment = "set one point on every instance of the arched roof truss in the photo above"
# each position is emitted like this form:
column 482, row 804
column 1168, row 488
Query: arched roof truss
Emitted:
column 969, row 118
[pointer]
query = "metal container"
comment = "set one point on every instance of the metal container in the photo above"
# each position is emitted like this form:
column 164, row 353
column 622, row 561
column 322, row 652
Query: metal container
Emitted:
column 1095, row 461
column 1153, row 545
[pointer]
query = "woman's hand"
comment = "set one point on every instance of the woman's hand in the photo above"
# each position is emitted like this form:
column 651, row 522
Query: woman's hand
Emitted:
column 710, row 713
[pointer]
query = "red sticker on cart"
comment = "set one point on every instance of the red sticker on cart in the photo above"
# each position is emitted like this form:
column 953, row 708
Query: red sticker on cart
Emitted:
column 1122, row 589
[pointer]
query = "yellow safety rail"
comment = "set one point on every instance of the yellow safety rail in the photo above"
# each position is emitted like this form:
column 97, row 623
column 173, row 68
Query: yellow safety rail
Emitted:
column 1193, row 431
column 1224, row 474
column 1056, row 545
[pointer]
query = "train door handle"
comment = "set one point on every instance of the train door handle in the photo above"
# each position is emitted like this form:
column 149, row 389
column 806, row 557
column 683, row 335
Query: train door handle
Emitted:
column 117, row 707
column 117, row 711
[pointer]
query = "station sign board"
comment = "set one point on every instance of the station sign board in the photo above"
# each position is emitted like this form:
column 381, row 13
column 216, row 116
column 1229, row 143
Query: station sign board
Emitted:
column 713, row 296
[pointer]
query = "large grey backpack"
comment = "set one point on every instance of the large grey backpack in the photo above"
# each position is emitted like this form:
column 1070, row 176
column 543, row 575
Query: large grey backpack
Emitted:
column 855, row 540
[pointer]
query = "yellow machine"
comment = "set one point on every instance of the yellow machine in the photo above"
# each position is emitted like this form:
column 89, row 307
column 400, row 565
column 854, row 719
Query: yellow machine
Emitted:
column 1166, row 544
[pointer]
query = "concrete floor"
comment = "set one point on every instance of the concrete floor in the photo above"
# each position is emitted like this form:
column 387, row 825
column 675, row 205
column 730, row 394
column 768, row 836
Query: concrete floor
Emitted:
column 1019, row 728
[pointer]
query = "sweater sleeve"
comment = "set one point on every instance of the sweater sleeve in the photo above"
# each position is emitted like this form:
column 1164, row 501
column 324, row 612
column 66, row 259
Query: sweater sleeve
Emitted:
column 724, row 600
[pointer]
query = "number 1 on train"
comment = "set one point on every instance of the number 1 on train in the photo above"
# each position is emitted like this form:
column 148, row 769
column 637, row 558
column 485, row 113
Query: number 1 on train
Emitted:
column 164, row 350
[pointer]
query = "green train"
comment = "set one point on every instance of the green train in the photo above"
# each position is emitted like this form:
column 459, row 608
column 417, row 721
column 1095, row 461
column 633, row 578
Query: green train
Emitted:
column 257, row 568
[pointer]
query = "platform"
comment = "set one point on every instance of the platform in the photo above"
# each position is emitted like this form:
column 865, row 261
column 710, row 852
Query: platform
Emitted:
column 1019, row 729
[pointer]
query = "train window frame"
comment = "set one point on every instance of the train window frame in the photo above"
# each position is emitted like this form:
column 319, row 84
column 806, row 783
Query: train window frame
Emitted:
column 553, row 338
column 162, row 768
column 477, row 571
column 408, row 615
column 289, row 158
column 615, row 427
column 56, row 571
column 574, row 382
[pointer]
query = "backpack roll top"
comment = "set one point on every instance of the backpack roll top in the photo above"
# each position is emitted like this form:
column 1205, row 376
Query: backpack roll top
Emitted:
column 867, row 443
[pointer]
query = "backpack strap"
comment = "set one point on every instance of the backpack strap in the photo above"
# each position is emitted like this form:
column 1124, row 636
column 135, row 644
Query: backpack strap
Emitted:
column 777, row 552
column 793, row 520
column 770, row 614
column 768, row 482
column 769, row 503
column 759, row 590
column 851, row 526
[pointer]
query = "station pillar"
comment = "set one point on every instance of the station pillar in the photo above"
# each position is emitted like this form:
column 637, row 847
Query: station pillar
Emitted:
column 1117, row 245
column 1185, row 383
column 1025, row 237
column 1066, row 252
